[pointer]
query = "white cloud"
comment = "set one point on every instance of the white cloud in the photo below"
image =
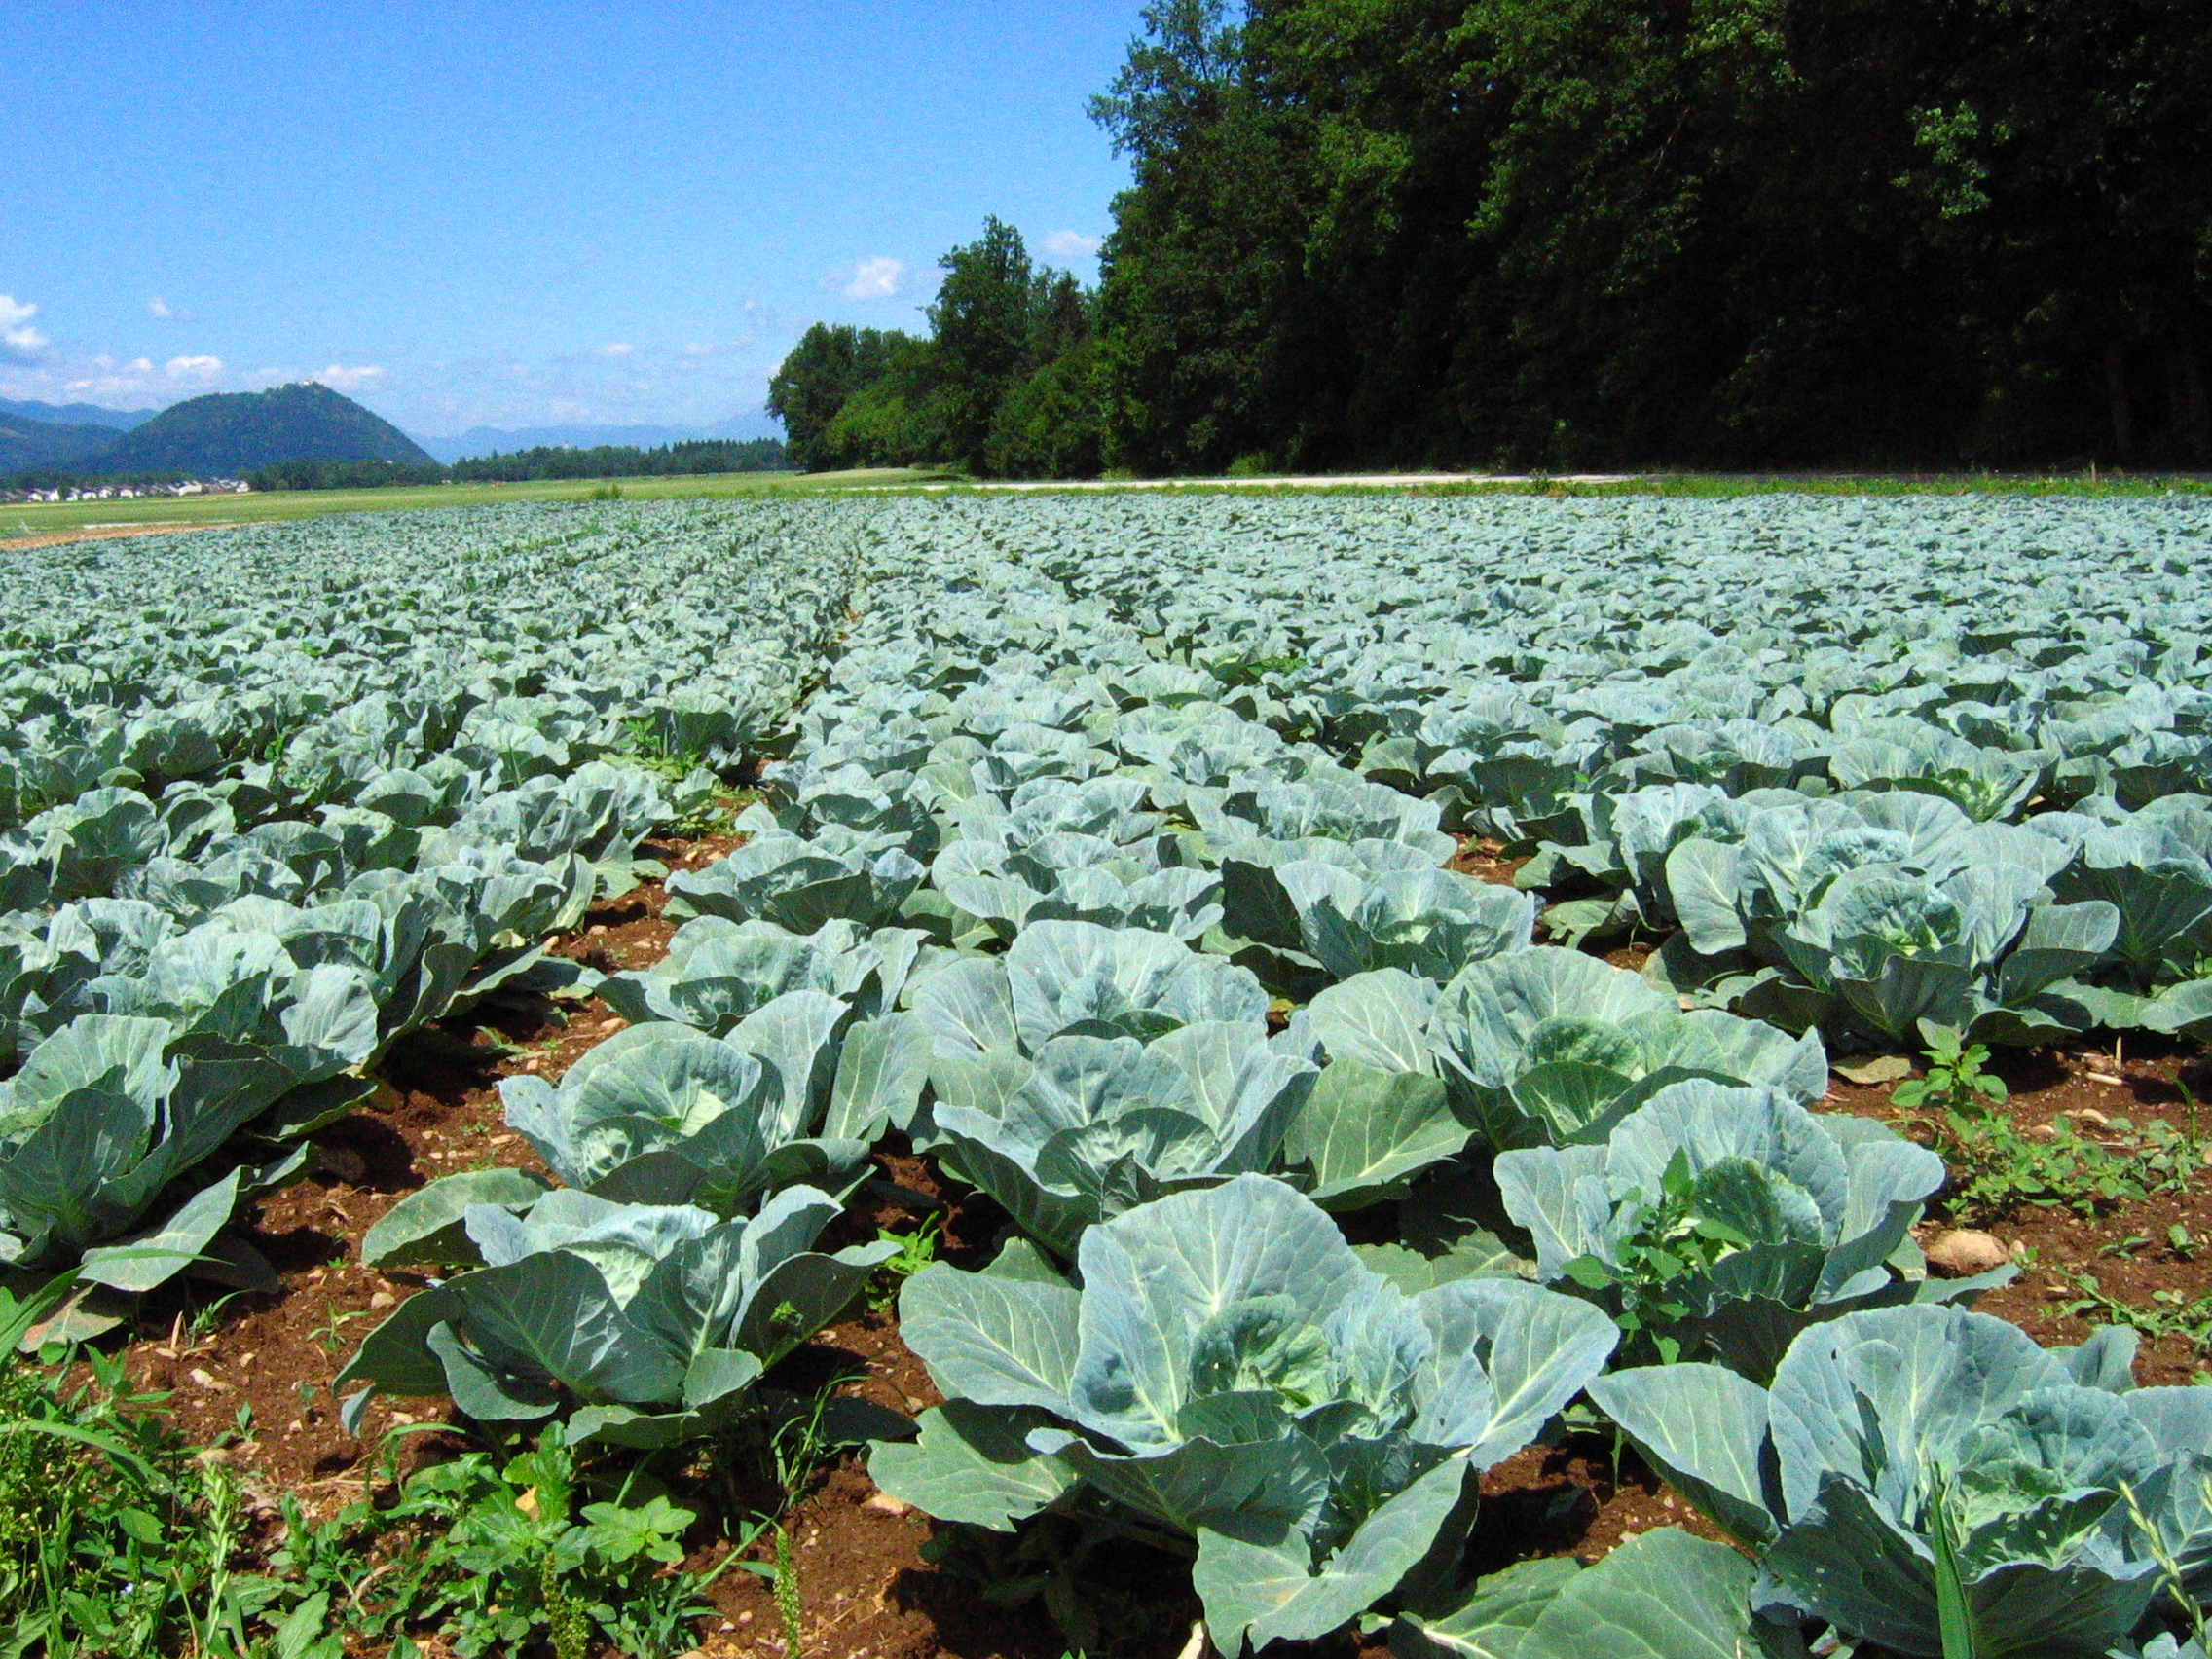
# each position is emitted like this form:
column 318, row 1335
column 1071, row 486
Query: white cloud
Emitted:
column 202, row 369
column 16, row 324
column 1070, row 244
column 698, row 348
column 874, row 279
column 617, row 348
column 161, row 308
column 339, row 377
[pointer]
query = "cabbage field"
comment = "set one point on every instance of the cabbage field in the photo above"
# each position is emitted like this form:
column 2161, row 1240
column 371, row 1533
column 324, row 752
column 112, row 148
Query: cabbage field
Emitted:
column 1198, row 1047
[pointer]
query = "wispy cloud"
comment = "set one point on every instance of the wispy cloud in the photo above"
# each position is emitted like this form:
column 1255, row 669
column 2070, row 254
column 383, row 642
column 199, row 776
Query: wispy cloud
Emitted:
column 200, row 369
column 161, row 308
column 874, row 279
column 617, row 348
column 698, row 348
column 339, row 377
column 1070, row 244
column 16, row 324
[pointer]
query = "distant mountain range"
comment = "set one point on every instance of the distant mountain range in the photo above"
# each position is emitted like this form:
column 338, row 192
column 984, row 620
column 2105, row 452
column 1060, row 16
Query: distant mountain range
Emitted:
column 233, row 433
column 36, row 435
column 29, row 446
column 227, row 434
column 78, row 414
column 507, row 440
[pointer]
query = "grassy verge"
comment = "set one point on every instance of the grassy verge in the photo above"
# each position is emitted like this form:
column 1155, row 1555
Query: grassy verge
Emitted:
column 211, row 510
column 47, row 517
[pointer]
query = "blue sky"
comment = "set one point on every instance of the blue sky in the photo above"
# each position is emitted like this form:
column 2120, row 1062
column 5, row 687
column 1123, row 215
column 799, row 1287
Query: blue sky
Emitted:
column 487, row 213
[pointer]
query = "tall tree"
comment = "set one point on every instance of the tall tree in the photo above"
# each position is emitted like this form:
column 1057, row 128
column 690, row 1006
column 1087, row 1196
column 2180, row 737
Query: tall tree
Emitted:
column 982, row 322
column 830, row 363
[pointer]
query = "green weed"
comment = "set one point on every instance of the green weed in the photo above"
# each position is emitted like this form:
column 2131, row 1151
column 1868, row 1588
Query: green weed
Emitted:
column 2169, row 1313
column 1664, row 1242
column 916, row 1250
column 1996, row 1168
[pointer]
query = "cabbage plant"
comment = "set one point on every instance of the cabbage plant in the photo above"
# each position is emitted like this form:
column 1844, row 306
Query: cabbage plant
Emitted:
column 1877, row 912
column 1098, row 1125
column 1916, row 1469
column 1070, row 876
column 717, row 972
column 1552, row 1047
column 1070, row 977
column 1661, row 1595
column 799, row 882
column 1719, row 1222
column 1431, row 922
column 105, row 1125
column 1230, row 1381
column 641, row 1324
column 662, row 1114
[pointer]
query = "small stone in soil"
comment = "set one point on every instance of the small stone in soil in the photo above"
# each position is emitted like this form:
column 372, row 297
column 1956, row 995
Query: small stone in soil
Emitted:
column 1961, row 1251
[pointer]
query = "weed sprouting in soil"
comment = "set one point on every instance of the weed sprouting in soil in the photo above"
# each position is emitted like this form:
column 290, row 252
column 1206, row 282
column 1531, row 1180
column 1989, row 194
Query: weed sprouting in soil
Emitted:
column 1997, row 1167
column 916, row 1250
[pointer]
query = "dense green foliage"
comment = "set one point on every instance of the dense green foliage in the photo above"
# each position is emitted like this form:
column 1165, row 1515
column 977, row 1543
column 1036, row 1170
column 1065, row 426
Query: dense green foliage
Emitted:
column 1002, row 386
column 343, row 474
column 624, row 460
column 1610, row 231
column 1107, row 863
column 234, row 432
column 699, row 458
column 27, row 444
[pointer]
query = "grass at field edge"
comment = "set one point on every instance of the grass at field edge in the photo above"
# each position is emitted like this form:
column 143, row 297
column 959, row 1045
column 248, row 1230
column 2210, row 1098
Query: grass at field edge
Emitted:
column 29, row 520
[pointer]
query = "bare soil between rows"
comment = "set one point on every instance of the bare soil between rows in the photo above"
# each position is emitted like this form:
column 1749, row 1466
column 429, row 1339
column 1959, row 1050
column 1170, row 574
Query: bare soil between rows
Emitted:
column 869, row 1589
column 98, row 533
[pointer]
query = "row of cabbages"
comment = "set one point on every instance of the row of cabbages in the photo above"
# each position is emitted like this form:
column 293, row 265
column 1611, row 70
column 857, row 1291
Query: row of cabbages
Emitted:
column 251, row 994
column 1172, row 990
column 311, row 659
column 277, row 799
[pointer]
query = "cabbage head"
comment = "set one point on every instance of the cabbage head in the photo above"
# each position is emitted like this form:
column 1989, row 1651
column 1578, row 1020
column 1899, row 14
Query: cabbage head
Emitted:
column 1719, row 1222
column 1553, row 1047
column 642, row 1324
column 1908, row 1456
column 799, row 882
column 1229, row 1375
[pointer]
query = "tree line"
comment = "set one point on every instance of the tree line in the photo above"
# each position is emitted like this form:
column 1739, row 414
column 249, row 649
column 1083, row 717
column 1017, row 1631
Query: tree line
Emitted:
column 1005, row 383
column 522, row 466
column 1591, row 232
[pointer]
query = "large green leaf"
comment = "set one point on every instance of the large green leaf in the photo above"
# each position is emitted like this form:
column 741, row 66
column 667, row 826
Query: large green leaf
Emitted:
column 1362, row 1134
column 973, row 1464
column 1272, row 1592
column 1155, row 1278
column 428, row 1226
column 993, row 1339
column 1663, row 1596
column 1705, row 1428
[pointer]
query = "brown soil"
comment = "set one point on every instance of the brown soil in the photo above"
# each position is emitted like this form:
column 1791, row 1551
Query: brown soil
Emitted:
column 2124, row 1244
column 98, row 533
column 1485, row 860
column 869, row 1590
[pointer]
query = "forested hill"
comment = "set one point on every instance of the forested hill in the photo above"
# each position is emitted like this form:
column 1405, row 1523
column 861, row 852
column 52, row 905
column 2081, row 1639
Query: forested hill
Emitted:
column 236, row 433
column 1578, row 233
column 26, row 443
